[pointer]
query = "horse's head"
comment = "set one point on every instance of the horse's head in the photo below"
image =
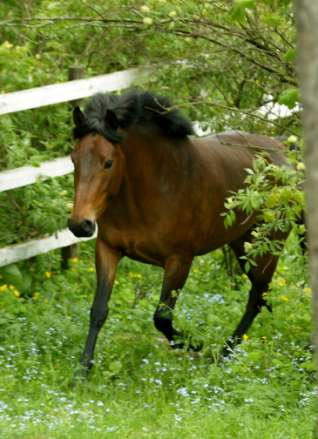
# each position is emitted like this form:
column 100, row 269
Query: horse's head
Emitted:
column 98, row 165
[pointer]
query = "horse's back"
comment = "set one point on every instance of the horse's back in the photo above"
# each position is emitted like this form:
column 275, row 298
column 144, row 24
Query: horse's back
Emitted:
column 233, row 144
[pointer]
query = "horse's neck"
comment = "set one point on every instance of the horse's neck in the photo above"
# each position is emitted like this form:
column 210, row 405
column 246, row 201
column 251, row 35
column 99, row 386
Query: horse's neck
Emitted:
column 154, row 167
column 148, row 158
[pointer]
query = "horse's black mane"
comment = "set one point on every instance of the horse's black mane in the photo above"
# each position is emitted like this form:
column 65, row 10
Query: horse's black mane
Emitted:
column 135, row 107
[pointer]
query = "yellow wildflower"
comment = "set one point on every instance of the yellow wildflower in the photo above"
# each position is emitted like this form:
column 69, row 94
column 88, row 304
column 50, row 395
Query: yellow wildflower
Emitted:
column 48, row 274
column 245, row 337
column 134, row 275
column 284, row 298
column 7, row 45
column 74, row 260
column 3, row 287
column 300, row 166
column 16, row 292
column 281, row 282
column 90, row 269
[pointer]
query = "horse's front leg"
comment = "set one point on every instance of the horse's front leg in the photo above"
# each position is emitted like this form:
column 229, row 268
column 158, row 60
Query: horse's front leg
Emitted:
column 106, row 263
column 176, row 272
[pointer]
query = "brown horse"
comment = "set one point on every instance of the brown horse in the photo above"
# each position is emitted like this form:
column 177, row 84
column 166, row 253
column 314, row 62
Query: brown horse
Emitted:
column 157, row 194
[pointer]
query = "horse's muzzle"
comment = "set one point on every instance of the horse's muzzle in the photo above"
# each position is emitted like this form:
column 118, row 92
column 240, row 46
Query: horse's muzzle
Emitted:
column 82, row 229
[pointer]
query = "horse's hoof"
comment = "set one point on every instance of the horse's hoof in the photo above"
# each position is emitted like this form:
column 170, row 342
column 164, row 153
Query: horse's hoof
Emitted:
column 187, row 346
column 81, row 375
column 176, row 344
column 226, row 352
column 195, row 347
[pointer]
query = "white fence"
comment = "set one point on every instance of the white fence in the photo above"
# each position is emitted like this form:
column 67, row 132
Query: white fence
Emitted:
column 12, row 179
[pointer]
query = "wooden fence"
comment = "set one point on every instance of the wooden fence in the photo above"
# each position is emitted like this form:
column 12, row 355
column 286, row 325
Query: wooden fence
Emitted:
column 12, row 179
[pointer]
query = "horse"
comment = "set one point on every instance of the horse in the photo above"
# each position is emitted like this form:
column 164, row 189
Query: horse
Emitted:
column 157, row 193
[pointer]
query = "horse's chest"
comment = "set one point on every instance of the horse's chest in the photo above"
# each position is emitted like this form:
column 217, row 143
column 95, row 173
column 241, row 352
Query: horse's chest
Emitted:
column 135, row 243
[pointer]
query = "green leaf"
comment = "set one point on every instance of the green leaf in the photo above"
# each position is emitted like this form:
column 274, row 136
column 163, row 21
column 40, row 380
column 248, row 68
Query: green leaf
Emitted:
column 12, row 275
column 239, row 7
column 273, row 19
column 290, row 55
column 289, row 97
column 243, row 4
column 115, row 366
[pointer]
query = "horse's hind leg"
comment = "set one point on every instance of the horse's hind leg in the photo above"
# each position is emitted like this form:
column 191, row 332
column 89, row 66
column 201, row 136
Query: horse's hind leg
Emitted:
column 176, row 273
column 260, row 277
column 302, row 235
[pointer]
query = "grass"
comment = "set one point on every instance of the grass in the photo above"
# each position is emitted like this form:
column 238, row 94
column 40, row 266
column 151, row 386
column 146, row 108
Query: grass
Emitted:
column 139, row 387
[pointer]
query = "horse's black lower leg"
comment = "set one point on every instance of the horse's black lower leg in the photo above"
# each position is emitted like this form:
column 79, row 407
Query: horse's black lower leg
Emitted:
column 255, row 302
column 163, row 322
column 302, row 234
column 98, row 315
column 260, row 277
column 106, row 263
column 176, row 272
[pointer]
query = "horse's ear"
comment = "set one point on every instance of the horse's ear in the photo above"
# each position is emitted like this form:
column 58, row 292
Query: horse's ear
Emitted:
column 78, row 117
column 111, row 120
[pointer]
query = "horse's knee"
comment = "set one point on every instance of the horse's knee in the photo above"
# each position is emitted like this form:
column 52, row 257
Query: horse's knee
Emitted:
column 98, row 317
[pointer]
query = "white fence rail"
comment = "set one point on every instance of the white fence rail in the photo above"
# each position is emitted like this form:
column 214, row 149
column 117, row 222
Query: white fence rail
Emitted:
column 24, row 176
column 27, row 175
column 19, row 252
column 65, row 92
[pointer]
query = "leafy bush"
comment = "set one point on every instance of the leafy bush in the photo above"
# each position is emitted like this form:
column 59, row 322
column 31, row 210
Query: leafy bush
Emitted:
column 275, row 195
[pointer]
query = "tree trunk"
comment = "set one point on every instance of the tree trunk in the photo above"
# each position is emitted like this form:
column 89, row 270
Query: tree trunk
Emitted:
column 307, row 22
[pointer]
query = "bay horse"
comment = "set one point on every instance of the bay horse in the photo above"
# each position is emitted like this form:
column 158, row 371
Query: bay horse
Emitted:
column 157, row 193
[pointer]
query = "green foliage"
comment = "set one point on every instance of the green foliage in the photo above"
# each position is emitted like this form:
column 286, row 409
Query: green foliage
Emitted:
column 274, row 195
column 218, row 60
column 39, row 209
column 140, row 387
column 289, row 97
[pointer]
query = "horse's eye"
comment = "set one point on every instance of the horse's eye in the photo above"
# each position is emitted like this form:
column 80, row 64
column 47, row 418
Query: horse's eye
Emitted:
column 108, row 164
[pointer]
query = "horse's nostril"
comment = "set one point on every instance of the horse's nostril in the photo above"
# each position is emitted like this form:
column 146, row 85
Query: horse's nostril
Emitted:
column 82, row 229
column 88, row 226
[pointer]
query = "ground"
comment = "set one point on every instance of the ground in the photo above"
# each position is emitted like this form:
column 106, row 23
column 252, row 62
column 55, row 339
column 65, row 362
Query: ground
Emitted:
column 139, row 386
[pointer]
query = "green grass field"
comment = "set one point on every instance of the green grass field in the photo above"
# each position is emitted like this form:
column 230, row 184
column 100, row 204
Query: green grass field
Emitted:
column 140, row 387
